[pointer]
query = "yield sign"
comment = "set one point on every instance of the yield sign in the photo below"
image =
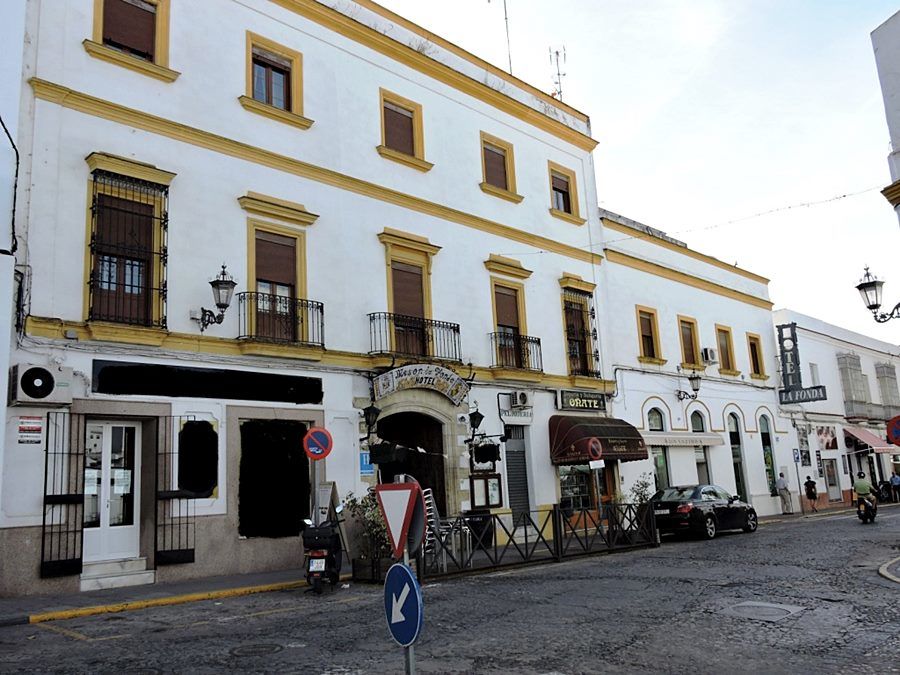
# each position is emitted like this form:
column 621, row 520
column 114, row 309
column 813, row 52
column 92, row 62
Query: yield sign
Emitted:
column 397, row 501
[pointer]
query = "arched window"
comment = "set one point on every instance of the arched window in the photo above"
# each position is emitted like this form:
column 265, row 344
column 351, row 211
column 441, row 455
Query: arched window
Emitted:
column 698, row 425
column 737, row 456
column 765, row 434
column 655, row 420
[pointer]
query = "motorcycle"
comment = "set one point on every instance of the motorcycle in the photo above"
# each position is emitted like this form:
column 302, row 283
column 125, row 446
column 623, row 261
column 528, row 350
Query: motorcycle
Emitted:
column 322, row 548
column 883, row 491
column 866, row 509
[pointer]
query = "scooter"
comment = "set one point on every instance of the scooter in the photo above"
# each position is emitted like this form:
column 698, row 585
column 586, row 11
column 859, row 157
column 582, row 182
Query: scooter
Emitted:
column 322, row 547
column 883, row 491
column 866, row 509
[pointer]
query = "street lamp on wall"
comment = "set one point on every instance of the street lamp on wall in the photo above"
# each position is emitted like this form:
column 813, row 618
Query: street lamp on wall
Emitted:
column 870, row 288
column 370, row 416
column 475, row 420
column 694, row 381
column 223, row 288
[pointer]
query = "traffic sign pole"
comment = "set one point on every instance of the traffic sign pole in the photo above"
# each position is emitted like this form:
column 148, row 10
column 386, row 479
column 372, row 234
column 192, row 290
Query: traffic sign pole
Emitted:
column 409, row 656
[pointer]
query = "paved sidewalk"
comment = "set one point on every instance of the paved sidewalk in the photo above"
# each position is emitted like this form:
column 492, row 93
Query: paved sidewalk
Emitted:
column 830, row 511
column 38, row 608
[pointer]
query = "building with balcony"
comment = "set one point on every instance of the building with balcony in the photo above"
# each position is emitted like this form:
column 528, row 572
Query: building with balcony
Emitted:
column 401, row 224
column 846, row 432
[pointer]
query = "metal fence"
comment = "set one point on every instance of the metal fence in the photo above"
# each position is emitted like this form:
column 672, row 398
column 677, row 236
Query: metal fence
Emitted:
column 483, row 541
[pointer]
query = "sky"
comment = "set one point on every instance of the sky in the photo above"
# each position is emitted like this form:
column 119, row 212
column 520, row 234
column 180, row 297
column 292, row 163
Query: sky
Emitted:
column 715, row 116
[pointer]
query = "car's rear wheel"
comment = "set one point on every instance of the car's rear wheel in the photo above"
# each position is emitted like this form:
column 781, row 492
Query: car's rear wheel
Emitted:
column 752, row 522
column 709, row 528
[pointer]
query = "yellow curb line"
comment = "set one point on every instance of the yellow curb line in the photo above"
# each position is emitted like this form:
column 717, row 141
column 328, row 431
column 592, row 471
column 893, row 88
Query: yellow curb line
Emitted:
column 883, row 570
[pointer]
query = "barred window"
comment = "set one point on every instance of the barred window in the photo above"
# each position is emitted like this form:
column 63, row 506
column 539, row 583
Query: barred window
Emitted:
column 129, row 222
column 580, row 336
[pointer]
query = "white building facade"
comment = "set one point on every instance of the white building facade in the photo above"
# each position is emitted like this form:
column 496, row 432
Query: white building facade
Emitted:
column 669, row 312
column 886, row 43
column 392, row 210
column 845, row 433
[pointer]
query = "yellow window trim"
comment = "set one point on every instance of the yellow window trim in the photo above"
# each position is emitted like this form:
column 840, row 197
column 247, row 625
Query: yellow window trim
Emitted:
column 751, row 338
column 137, row 119
column 727, row 331
column 139, row 171
column 298, row 235
column 292, row 55
column 644, row 358
column 509, row 160
column 576, row 283
column 570, row 175
column 411, row 249
column 385, row 96
column 274, row 113
column 277, row 209
column 695, row 336
column 96, row 48
column 519, row 288
column 651, row 360
column 506, row 266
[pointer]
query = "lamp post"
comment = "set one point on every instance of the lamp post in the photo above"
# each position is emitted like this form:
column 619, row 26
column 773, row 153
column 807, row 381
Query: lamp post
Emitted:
column 694, row 380
column 870, row 288
column 222, row 287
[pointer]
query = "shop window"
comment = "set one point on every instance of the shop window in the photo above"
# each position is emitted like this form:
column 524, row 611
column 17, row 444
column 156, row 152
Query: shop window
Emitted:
column 487, row 490
column 660, row 458
column 274, row 483
column 765, row 434
column 737, row 455
column 564, row 194
column 690, row 346
column 576, row 489
column 198, row 458
column 757, row 364
column 655, row 420
column 726, row 351
column 701, row 456
column 402, row 131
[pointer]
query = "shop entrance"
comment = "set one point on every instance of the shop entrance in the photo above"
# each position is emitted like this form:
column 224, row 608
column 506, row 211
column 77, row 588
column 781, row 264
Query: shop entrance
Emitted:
column 831, row 479
column 112, row 470
column 416, row 430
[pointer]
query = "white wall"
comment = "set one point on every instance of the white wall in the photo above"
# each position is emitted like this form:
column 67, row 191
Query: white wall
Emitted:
column 886, row 43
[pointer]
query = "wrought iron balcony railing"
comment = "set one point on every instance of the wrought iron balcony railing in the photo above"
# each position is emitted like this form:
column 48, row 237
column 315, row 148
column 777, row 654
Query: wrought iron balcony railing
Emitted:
column 511, row 350
column 413, row 336
column 274, row 318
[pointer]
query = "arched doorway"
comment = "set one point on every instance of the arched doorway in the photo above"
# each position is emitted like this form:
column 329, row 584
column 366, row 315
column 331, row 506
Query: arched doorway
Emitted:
column 416, row 430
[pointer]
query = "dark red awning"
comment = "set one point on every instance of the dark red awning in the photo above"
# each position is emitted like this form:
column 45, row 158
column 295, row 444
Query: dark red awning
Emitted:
column 579, row 440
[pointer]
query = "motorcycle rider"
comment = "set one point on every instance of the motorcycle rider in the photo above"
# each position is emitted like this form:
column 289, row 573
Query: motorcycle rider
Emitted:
column 863, row 488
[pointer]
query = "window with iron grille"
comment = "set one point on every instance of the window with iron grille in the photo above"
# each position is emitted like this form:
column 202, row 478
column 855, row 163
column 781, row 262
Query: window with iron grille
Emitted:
column 580, row 335
column 129, row 223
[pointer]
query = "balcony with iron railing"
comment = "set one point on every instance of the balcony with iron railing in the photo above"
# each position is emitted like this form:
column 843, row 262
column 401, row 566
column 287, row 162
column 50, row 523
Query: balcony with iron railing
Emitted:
column 414, row 337
column 264, row 317
column 516, row 352
column 862, row 410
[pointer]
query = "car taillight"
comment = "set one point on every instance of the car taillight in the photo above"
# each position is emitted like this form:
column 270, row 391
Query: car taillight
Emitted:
column 684, row 508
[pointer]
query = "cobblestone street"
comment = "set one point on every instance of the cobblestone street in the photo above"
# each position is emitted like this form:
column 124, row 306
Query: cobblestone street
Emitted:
column 670, row 609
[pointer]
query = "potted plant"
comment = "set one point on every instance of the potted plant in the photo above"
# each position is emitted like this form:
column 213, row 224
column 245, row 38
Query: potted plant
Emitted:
column 642, row 490
column 371, row 541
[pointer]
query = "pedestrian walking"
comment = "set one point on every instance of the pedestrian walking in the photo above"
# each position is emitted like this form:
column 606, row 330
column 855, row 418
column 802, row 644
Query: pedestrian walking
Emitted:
column 782, row 486
column 895, row 486
column 812, row 493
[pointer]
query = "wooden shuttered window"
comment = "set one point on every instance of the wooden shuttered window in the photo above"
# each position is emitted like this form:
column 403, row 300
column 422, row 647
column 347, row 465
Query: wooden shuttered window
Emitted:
column 409, row 296
column 755, row 357
column 495, row 166
column 688, row 346
column 276, row 279
column 726, row 358
column 562, row 200
column 648, row 341
column 506, row 300
column 398, row 129
column 276, row 259
column 130, row 25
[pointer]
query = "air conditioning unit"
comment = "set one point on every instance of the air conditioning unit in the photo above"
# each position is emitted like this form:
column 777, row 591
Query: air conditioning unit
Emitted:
column 709, row 355
column 39, row 385
column 521, row 399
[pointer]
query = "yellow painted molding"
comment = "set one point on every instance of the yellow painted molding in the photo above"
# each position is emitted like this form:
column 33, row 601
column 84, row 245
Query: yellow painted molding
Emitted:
column 568, row 217
column 656, row 269
column 493, row 190
column 279, row 209
column 138, row 65
column 506, row 266
column 408, row 56
column 274, row 113
column 283, row 351
column 296, row 75
column 650, row 360
column 730, row 373
column 403, row 158
column 516, row 375
column 754, row 376
column 683, row 250
column 693, row 366
column 575, row 282
column 133, row 335
column 408, row 240
column 114, row 112
column 128, row 167
column 892, row 193
column 591, row 383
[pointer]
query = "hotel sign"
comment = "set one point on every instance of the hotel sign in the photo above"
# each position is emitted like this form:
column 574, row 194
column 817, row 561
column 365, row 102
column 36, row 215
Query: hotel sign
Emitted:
column 581, row 400
column 422, row 376
column 792, row 390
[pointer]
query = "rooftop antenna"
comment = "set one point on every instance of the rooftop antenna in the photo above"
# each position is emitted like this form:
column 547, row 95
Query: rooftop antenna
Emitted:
column 508, row 49
column 555, row 56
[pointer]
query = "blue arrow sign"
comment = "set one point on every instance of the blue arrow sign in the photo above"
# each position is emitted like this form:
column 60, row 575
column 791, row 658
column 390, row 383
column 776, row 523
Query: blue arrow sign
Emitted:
column 403, row 605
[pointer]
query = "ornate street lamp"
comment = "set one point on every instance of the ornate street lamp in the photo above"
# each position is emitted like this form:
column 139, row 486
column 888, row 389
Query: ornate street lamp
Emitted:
column 222, row 288
column 694, row 380
column 869, row 289
column 475, row 420
column 370, row 415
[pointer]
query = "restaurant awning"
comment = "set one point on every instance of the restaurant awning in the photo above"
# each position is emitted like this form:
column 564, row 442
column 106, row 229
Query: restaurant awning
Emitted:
column 681, row 438
column 580, row 440
column 870, row 439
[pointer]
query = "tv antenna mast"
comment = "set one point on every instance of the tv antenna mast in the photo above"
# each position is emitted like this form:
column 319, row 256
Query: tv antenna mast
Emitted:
column 508, row 49
column 555, row 56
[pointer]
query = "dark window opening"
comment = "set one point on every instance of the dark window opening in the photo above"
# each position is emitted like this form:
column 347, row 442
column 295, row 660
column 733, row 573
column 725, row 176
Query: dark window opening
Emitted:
column 724, row 340
column 415, row 430
column 578, row 334
column 271, row 79
column 198, row 458
column 495, row 166
column 755, row 360
column 398, row 129
column 648, row 341
column 130, row 26
column 274, row 484
column 687, row 342
column 561, row 193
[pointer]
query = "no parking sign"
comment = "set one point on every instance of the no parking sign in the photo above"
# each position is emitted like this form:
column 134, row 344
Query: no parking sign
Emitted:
column 317, row 443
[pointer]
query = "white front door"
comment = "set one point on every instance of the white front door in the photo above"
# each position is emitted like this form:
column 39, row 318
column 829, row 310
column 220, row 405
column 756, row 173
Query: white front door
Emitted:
column 831, row 479
column 112, row 470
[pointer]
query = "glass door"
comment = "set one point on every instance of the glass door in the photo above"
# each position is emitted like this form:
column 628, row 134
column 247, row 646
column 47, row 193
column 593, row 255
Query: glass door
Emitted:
column 111, row 491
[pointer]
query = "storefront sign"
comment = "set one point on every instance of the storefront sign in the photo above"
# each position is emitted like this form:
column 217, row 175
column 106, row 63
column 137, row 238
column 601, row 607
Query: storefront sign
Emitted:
column 422, row 376
column 580, row 400
column 366, row 468
column 792, row 390
column 31, row 429
column 520, row 416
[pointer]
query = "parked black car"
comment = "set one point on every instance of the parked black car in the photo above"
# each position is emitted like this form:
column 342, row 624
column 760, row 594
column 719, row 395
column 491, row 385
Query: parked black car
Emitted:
column 701, row 509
